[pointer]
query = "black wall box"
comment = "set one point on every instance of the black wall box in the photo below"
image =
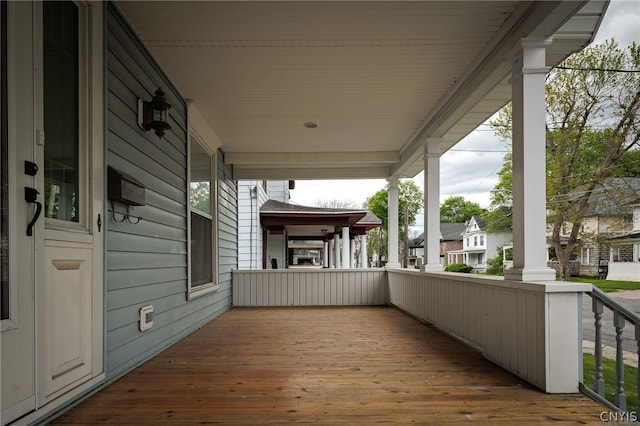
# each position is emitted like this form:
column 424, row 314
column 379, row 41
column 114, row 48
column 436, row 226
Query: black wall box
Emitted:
column 125, row 189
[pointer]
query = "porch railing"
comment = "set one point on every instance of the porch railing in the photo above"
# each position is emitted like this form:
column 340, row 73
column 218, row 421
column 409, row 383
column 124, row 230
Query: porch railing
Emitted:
column 310, row 287
column 531, row 329
column 621, row 316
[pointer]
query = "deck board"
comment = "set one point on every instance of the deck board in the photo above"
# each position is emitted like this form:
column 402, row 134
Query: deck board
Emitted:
column 323, row 365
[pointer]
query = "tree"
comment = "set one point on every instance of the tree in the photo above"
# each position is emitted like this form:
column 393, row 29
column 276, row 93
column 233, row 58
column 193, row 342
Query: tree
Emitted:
column 337, row 204
column 592, row 133
column 458, row 210
column 410, row 199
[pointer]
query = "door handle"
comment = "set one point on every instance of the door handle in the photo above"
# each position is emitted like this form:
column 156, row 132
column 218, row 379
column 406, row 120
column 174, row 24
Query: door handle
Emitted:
column 31, row 196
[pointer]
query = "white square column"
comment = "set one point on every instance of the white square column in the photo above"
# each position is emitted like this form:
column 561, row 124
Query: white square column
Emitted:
column 392, row 237
column 529, row 163
column 363, row 251
column 346, row 250
column 432, row 206
column 336, row 254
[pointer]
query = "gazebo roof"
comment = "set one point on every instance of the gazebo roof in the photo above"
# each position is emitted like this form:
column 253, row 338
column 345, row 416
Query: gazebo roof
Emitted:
column 306, row 222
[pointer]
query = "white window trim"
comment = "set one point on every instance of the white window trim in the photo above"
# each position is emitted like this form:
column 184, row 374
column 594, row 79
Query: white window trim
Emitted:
column 213, row 286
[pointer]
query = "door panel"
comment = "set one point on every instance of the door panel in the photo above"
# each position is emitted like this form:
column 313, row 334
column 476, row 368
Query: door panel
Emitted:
column 67, row 289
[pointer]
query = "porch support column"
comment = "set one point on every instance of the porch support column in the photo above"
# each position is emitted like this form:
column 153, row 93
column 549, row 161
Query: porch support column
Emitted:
column 529, row 165
column 325, row 254
column 346, row 250
column 432, row 206
column 336, row 246
column 330, row 254
column 363, row 251
column 392, row 236
column 352, row 253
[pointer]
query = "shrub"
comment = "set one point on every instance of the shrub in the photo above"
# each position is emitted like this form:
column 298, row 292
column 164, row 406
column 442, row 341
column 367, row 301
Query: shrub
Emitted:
column 458, row 267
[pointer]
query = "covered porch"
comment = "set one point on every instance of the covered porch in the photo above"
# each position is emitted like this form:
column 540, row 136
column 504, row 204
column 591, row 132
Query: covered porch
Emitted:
column 333, row 365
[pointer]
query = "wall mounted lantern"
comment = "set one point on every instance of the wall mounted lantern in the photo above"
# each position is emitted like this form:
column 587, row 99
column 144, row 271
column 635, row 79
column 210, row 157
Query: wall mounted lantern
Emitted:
column 154, row 114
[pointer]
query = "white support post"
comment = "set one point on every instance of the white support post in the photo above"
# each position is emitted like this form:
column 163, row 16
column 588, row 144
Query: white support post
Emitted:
column 346, row 250
column 363, row 251
column 432, row 206
column 392, row 243
column 330, row 254
column 529, row 163
column 325, row 254
column 336, row 246
column 352, row 253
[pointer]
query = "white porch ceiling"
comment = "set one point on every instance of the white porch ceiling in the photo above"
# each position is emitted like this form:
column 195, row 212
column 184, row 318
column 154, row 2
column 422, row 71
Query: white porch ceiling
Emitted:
column 380, row 79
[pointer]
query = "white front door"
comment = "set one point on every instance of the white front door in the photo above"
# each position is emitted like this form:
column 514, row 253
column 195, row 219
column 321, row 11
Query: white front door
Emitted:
column 59, row 94
column 17, row 343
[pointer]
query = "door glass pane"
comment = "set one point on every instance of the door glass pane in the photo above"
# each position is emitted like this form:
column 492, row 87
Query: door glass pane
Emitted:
column 4, row 178
column 61, row 174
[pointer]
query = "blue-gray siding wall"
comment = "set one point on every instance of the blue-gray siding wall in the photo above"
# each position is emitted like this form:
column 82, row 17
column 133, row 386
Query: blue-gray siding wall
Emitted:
column 147, row 262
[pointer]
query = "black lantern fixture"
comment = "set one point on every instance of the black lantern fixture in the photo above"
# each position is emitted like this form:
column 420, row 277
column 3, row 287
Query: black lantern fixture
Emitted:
column 154, row 114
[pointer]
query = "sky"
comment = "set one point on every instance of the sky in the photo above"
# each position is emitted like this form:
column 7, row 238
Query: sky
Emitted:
column 470, row 168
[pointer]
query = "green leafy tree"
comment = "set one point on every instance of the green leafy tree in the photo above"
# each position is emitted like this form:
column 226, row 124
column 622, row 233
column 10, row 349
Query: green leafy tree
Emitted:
column 592, row 133
column 458, row 210
column 410, row 200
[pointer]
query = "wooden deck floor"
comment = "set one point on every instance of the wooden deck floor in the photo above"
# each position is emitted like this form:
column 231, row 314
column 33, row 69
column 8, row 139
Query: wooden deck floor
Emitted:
column 324, row 365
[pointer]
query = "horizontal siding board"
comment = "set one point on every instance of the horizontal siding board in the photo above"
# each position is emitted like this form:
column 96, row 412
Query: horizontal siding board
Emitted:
column 119, row 279
column 124, row 242
column 126, row 260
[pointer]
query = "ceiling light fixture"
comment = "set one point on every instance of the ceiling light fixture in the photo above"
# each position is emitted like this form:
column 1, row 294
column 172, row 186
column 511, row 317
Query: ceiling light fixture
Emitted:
column 310, row 125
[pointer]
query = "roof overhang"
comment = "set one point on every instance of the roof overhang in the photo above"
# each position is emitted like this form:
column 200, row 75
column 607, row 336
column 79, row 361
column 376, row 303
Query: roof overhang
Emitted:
column 381, row 79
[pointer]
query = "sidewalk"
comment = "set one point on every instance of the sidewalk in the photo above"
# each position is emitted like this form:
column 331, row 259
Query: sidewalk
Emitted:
column 630, row 358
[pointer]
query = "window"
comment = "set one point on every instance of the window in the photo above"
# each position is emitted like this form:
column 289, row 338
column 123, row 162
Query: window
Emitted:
column 202, row 202
column 615, row 254
column 588, row 256
column 475, row 241
column 481, row 240
column 61, row 111
column 468, row 243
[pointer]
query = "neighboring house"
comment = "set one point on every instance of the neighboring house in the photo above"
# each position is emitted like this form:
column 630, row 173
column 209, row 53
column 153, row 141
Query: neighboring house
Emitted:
column 625, row 251
column 450, row 240
column 252, row 194
column 478, row 245
column 609, row 215
column 607, row 224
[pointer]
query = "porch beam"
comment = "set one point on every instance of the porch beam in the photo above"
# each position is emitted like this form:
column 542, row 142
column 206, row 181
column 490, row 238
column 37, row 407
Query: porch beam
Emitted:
column 529, row 163
column 311, row 171
column 432, row 206
column 283, row 158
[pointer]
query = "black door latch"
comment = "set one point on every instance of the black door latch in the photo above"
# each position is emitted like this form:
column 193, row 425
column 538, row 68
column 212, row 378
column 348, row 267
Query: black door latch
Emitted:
column 31, row 196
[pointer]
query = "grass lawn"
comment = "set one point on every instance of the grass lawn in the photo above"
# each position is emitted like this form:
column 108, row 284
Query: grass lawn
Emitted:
column 609, row 373
column 608, row 286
